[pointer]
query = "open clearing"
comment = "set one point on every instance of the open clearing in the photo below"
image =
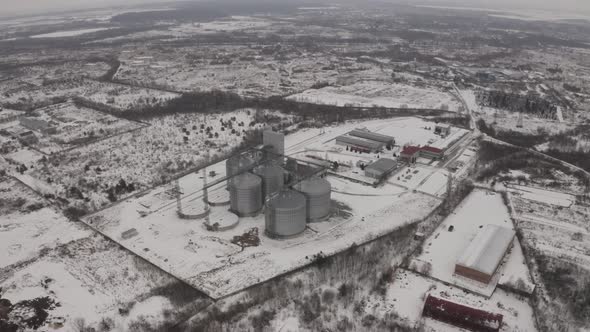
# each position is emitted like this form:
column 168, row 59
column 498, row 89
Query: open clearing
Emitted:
column 46, row 255
column 406, row 296
column 74, row 125
column 445, row 246
column 380, row 94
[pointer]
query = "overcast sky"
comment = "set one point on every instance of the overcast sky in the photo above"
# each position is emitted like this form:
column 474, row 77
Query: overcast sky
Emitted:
column 568, row 6
column 39, row 6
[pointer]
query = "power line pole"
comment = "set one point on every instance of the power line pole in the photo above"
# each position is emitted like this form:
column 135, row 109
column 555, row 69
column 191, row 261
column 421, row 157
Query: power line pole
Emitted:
column 520, row 122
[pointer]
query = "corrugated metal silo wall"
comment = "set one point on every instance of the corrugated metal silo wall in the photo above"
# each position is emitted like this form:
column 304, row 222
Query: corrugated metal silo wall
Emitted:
column 287, row 220
column 246, row 194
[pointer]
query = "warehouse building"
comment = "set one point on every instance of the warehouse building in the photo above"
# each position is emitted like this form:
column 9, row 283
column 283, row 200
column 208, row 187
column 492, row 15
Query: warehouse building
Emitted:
column 361, row 144
column 411, row 153
column 27, row 137
column 485, row 252
column 380, row 168
column 38, row 125
column 363, row 133
column 461, row 316
column 431, row 153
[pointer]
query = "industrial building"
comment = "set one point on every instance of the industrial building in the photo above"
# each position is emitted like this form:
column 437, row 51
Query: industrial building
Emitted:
column 485, row 252
column 363, row 133
column 274, row 141
column 361, row 144
column 442, row 129
column 285, row 215
column 380, row 168
column 411, row 153
column 41, row 126
column 431, row 153
column 365, row 141
column 461, row 316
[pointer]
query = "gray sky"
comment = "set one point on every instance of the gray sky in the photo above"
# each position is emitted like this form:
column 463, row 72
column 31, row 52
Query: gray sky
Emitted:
column 40, row 6
column 567, row 6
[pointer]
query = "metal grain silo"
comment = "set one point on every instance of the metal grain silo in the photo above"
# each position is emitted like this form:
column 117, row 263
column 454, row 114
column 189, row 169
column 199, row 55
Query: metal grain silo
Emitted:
column 245, row 194
column 237, row 164
column 273, row 178
column 285, row 214
column 317, row 192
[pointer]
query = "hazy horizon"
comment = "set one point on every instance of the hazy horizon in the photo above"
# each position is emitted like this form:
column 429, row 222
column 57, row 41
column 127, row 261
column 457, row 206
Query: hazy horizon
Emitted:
column 39, row 7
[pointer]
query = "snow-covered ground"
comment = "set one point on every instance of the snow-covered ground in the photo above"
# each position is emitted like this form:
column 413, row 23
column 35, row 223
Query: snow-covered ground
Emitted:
column 74, row 125
column 380, row 94
column 46, row 255
column 210, row 262
column 69, row 33
column 442, row 250
column 555, row 231
column 117, row 96
column 543, row 195
column 406, row 296
column 230, row 24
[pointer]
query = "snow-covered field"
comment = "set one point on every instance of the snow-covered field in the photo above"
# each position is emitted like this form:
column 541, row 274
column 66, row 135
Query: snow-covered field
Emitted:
column 148, row 155
column 46, row 255
column 406, row 296
column 542, row 195
column 69, row 33
column 75, row 125
column 380, row 94
column 230, row 24
column 556, row 231
column 443, row 248
column 117, row 96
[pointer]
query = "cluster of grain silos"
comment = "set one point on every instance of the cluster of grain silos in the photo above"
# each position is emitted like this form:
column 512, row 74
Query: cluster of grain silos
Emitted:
column 273, row 178
column 317, row 192
column 289, row 211
column 238, row 164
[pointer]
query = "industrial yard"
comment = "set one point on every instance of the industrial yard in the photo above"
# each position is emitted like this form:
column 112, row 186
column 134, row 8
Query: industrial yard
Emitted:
column 150, row 225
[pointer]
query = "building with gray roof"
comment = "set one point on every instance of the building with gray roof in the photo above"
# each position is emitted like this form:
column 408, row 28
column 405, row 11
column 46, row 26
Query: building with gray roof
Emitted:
column 380, row 168
column 485, row 252
column 362, row 144
column 362, row 133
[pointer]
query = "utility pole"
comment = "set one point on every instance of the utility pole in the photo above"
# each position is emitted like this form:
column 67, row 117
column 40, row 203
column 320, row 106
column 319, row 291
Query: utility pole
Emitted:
column 177, row 192
column 520, row 122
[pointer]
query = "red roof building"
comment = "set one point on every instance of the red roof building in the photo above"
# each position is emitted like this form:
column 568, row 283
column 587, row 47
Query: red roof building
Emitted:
column 410, row 153
column 461, row 316
column 431, row 149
